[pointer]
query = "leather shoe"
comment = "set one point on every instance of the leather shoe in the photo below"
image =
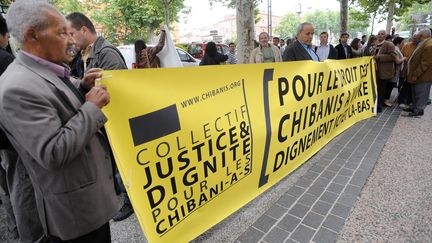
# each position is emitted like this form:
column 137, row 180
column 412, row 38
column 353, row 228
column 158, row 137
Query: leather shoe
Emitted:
column 415, row 114
column 124, row 213
column 387, row 104
column 409, row 109
column 403, row 106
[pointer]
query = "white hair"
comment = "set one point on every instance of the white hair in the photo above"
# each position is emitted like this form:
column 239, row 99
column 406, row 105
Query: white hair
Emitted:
column 301, row 26
column 23, row 14
column 385, row 32
column 425, row 32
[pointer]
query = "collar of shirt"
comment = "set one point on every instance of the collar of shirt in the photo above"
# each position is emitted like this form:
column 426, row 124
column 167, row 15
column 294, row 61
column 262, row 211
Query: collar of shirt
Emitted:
column 304, row 45
column 323, row 52
column 310, row 51
column 85, row 53
column 268, row 46
column 421, row 42
column 326, row 45
column 58, row 70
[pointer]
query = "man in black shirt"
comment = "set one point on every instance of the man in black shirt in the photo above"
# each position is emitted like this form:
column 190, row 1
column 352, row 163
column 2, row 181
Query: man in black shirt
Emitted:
column 343, row 49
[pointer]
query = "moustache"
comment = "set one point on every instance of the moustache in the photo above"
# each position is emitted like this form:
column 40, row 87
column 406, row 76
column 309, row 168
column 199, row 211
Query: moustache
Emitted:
column 71, row 50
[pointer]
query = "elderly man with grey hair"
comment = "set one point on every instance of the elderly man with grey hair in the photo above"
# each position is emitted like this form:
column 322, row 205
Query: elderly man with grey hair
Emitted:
column 420, row 73
column 16, row 189
column 265, row 52
column 54, row 124
column 302, row 49
column 385, row 57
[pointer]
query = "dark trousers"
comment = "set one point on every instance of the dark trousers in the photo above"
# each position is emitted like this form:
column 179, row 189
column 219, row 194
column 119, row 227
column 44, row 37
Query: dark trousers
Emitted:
column 420, row 94
column 122, row 188
column 118, row 183
column 381, row 88
column 4, row 195
column 22, row 196
column 389, row 88
column 405, row 96
column 100, row 235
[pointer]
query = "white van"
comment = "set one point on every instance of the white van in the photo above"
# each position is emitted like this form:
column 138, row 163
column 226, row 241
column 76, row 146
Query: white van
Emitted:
column 128, row 52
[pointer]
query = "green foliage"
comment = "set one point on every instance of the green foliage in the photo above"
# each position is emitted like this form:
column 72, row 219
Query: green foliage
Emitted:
column 403, row 6
column 4, row 5
column 381, row 6
column 408, row 20
column 288, row 26
column 125, row 21
column 182, row 46
column 69, row 6
column 324, row 21
column 232, row 4
column 232, row 39
column 256, row 14
column 358, row 21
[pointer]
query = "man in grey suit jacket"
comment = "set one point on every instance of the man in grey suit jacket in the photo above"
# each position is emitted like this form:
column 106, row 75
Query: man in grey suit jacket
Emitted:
column 302, row 48
column 54, row 126
column 17, row 191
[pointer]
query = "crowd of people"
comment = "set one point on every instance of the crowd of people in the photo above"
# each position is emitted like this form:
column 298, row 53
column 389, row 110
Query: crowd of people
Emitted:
column 58, row 178
column 394, row 58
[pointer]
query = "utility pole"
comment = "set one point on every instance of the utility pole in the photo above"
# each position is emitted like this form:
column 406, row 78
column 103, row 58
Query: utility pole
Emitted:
column 269, row 18
column 299, row 11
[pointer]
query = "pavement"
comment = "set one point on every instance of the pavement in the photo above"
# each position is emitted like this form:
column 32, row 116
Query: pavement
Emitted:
column 372, row 183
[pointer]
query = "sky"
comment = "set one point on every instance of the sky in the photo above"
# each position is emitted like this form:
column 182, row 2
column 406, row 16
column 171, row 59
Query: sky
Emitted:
column 203, row 14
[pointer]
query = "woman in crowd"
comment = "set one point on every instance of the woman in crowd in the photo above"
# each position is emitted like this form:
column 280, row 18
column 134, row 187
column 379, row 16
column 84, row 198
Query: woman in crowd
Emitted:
column 356, row 48
column 146, row 57
column 368, row 49
column 212, row 56
column 398, row 79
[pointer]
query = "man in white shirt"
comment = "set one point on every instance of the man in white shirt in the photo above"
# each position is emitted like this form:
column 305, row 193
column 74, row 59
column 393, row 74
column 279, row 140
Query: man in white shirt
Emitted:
column 325, row 50
column 282, row 45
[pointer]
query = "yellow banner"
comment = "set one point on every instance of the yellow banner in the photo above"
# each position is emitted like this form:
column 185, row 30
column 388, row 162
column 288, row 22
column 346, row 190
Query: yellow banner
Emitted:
column 193, row 145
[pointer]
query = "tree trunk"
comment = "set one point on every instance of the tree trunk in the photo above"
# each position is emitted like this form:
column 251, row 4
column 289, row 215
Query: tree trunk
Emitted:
column 373, row 23
column 166, row 12
column 245, row 29
column 344, row 15
column 390, row 16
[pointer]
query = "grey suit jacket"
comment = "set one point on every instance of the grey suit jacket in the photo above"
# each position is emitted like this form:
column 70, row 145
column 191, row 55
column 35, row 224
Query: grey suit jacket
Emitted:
column 295, row 52
column 58, row 139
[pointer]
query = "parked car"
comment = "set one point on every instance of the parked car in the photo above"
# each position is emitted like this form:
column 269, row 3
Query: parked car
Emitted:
column 404, row 34
column 197, row 49
column 128, row 52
